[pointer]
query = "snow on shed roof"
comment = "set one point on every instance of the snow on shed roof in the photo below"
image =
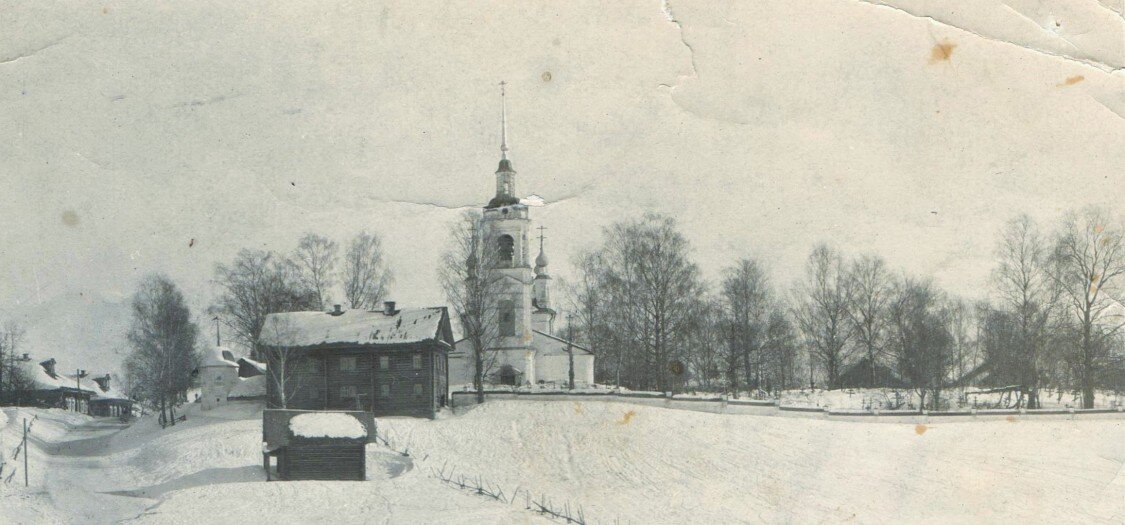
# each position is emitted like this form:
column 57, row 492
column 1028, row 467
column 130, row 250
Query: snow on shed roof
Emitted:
column 217, row 356
column 327, row 425
column 362, row 327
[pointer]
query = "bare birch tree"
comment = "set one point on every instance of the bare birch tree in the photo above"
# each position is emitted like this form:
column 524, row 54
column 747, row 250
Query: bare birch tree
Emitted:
column 1089, row 259
column 163, row 339
column 821, row 307
column 284, row 361
column 11, row 338
column 921, row 340
column 869, row 293
column 1027, row 290
column 316, row 258
column 256, row 284
column 365, row 275
column 473, row 287
column 746, row 298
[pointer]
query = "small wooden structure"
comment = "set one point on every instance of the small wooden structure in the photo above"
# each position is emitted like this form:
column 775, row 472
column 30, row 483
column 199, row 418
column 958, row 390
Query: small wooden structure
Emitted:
column 314, row 445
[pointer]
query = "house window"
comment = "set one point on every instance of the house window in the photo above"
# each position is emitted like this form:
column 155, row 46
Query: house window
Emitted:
column 347, row 364
column 347, row 391
column 505, row 250
column 385, row 390
column 507, row 318
column 417, row 361
column 417, row 389
column 384, row 362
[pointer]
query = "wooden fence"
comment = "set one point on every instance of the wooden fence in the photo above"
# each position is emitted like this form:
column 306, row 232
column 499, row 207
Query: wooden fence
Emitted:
column 462, row 401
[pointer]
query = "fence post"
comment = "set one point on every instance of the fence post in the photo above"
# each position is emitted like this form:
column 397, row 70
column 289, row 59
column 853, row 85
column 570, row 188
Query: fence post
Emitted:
column 25, row 451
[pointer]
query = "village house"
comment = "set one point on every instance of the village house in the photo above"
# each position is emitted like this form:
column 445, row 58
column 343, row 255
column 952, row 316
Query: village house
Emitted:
column 386, row 362
column 108, row 401
column 51, row 389
column 526, row 350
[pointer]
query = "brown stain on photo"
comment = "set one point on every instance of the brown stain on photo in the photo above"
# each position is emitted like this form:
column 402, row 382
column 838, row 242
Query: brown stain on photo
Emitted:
column 920, row 429
column 1070, row 81
column 547, row 76
column 578, row 408
column 1012, row 419
column 942, row 52
column 627, row 417
column 70, row 218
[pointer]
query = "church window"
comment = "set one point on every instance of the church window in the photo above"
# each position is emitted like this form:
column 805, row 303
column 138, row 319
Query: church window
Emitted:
column 347, row 364
column 417, row 361
column 347, row 391
column 384, row 362
column 507, row 318
column 505, row 250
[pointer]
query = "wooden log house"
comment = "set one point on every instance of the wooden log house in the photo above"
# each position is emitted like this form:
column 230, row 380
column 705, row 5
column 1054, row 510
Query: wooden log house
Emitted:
column 386, row 362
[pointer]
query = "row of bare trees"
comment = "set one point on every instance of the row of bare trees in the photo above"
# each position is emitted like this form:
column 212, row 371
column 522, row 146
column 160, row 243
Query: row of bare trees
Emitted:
column 259, row 282
column 1050, row 318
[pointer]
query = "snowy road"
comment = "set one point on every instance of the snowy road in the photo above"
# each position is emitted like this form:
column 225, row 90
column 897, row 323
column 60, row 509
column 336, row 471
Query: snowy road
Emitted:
column 208, row 470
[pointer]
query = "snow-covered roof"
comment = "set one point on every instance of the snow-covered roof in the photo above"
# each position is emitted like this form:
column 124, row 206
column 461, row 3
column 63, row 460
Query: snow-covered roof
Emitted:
column 327, row 425
column 256, row 365
column 218, row 356
column 248, row 387
column 361, row 327
column 44, row 381
column 109, row 393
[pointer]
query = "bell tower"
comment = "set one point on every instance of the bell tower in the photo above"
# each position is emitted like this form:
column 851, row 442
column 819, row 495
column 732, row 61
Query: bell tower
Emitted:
column 504, row 229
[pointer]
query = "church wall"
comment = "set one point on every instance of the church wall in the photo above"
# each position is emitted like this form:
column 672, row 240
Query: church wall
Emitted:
column 556, row 369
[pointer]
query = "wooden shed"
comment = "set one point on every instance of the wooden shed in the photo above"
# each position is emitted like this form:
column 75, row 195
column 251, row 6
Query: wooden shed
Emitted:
column 322, row 446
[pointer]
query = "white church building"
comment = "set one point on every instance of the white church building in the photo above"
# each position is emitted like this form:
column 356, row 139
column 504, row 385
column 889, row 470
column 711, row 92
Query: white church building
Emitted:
column 526, row 351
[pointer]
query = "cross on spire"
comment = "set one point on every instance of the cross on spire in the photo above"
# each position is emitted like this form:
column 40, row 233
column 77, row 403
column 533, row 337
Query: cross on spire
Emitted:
column 503, row 122
column 541, row 237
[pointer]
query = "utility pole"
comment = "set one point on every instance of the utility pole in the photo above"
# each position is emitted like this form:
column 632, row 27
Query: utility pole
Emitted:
column 25, row 452
column 570, row 346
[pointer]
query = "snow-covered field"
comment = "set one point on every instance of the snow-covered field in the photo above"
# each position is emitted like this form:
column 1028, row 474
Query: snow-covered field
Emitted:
column 652, row 465
column 621, row 462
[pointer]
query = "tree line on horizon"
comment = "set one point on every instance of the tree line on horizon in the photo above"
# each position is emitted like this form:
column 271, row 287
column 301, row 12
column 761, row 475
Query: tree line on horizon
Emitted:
column 1051, row 319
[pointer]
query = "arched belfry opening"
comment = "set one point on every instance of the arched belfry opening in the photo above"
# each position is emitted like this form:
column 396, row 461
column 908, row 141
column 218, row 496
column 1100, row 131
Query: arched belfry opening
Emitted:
column 505, row 250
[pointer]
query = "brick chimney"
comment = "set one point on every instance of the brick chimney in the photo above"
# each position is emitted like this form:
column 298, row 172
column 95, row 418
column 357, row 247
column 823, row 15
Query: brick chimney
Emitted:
column 49, row 367
column 389, row 308
column 336, row 310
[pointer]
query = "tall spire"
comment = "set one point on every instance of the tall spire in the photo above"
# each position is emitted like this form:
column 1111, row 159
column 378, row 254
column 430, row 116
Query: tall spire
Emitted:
column 505, row 175
column 503, row 123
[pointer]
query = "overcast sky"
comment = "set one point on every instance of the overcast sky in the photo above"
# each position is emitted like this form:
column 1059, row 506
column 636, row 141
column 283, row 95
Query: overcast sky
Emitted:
column 140, row 137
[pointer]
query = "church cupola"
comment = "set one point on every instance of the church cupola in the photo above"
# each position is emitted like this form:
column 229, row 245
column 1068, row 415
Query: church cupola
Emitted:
column 505, row 175
column 543, row 317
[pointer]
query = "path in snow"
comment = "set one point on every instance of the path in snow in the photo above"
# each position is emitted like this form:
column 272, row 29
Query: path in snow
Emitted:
column 208, row 470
